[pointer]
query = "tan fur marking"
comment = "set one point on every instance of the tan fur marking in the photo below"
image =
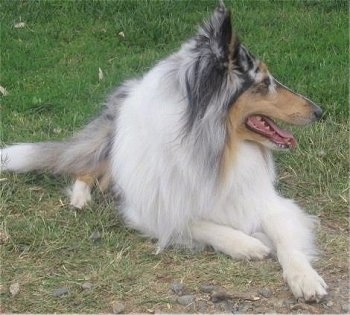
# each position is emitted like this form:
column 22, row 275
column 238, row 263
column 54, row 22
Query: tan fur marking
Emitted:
column 100, row 175
column 229, row 153
column 87, row 179
column 281, row 104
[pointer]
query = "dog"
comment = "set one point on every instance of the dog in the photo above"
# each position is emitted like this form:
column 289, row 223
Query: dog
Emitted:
column 187, row 148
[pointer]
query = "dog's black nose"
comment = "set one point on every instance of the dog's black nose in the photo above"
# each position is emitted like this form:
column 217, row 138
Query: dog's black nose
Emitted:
column 318, row 112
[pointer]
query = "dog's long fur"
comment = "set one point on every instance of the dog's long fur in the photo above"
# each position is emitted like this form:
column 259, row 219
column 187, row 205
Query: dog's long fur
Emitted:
column 188, row 147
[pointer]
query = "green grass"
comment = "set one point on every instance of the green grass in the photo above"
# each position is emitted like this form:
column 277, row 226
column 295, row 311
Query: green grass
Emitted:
column 50, row 69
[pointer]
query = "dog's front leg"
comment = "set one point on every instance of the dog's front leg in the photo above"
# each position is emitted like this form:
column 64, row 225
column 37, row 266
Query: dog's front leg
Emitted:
column 228, row 240
column 291, row 232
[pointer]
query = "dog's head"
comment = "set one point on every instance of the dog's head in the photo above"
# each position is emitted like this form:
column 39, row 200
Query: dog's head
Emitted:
column 225, row 82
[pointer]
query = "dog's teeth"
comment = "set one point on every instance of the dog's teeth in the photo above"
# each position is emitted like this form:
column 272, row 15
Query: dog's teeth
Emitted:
column 282, row 146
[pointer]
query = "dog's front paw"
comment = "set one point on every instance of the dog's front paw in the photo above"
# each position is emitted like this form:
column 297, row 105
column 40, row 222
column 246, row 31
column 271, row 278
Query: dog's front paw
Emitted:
column 306, row 283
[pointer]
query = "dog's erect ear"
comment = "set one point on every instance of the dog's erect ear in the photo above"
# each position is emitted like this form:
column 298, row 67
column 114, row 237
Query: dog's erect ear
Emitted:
column 217, row 32
column 212, row 54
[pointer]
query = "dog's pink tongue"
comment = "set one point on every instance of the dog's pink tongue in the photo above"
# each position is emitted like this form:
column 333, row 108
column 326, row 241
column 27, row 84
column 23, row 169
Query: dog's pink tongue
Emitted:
column 268, row 128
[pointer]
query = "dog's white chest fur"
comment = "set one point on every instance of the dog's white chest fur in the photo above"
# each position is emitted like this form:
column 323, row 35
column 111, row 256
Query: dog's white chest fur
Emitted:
column 164, row 187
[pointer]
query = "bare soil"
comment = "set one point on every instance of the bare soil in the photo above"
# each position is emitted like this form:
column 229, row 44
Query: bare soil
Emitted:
column 333, row 266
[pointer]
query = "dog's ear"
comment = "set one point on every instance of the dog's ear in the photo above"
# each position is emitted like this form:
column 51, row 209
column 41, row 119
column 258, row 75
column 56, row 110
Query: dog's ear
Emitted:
column 216, row 33
column 213, row 53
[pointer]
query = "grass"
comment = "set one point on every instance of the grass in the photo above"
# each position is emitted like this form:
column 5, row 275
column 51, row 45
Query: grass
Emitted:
column 50, row 70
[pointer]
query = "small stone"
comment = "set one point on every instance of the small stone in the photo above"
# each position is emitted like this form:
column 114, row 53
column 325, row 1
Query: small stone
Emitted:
column 60, row 292
column 207, row 288
column 118, row 307
column 86, row 286
column 330, row 303
column 14, row 289
column 96, row 236
column 219, row 295
column 265, row 292
column 178, row 288
column 185, row 300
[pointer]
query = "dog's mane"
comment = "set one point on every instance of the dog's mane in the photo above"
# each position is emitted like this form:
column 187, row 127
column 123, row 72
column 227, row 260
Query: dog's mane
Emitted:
column 213, row 69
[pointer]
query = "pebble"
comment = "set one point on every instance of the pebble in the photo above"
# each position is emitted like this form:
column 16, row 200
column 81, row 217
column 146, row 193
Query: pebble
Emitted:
column 219, row 295
column 118, row 307
column 207, row 288
column 265, row 292
column 60, row 292
column 330, row 303
column 177, row 287
column 86, row 286
column 185, row 299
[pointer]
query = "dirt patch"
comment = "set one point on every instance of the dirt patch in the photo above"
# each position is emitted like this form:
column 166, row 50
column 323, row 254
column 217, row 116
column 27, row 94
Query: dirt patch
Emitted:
column 253, row 301
column 213, row 298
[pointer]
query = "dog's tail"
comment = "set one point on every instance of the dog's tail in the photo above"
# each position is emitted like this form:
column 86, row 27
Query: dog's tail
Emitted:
column 84, row 153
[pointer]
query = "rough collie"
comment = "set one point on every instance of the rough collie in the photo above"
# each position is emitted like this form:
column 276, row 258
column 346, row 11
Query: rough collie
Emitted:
column 187, row 149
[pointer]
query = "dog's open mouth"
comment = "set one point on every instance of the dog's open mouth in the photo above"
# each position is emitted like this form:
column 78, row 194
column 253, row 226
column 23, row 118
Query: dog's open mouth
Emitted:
column 267, row 128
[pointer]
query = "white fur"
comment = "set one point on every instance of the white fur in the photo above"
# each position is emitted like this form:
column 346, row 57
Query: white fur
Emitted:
column 17, row 158
column 80, row 194
column 229, row 241
column 167, row 197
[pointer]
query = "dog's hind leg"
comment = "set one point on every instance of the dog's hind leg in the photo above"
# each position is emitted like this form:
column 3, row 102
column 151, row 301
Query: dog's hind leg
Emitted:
column 229, row 241
column 80, row 193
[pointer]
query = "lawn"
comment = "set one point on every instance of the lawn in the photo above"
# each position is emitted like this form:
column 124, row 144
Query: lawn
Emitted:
column 51, row 53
